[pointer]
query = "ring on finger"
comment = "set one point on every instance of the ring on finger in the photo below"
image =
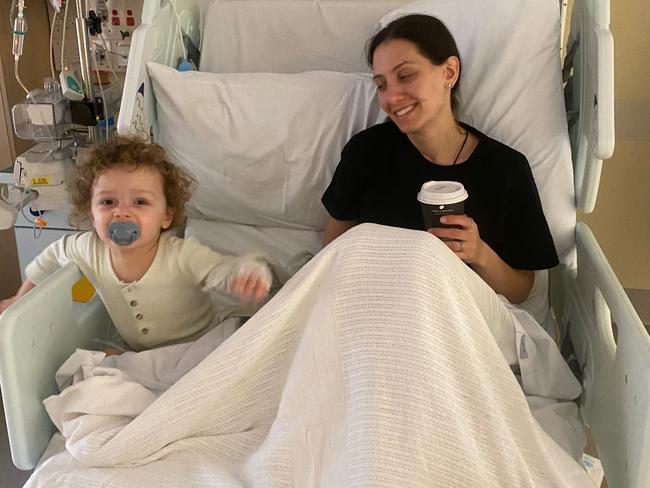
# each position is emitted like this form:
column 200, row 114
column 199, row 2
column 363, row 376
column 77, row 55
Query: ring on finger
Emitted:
column 462, row 246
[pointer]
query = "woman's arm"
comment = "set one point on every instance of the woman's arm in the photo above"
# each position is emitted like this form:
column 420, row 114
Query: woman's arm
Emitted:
column 24, row 288
column 335, row 227
column 514, row 284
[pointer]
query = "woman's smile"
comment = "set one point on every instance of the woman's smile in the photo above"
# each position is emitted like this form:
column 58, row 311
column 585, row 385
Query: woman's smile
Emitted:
column 404, row 111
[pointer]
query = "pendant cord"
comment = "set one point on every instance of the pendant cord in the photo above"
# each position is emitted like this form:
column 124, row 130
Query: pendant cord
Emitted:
column 461, row 148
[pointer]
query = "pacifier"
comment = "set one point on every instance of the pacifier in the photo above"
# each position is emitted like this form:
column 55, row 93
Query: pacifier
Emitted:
column 123, row 233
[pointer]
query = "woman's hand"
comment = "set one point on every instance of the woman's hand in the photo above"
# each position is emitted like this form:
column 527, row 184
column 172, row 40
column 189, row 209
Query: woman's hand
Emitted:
column 251, row 282
column 466, row 242
column 514, row 284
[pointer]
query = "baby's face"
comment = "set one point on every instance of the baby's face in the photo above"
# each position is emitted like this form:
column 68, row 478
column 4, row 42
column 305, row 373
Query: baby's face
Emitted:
column 127, row 195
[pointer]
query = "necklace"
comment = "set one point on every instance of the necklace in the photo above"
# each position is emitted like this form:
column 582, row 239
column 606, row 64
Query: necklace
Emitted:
column 461, row 148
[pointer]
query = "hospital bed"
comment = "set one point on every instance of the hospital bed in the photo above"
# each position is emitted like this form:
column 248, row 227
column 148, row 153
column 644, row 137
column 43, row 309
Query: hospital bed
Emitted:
column 255, row 44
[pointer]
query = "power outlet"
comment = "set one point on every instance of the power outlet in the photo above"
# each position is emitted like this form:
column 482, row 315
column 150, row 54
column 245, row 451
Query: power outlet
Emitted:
column 119, row 19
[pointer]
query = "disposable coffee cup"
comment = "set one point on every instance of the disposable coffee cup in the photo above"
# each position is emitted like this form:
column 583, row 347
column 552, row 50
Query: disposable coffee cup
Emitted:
column 440, row 198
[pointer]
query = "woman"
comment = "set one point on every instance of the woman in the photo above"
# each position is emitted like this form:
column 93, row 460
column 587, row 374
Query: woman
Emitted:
column 504, row 235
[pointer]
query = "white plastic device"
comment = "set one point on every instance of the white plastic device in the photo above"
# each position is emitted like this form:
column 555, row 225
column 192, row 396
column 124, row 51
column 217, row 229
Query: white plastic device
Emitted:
column 70, row 86
column 9, row 207
column 8, row 214
column 44, row 170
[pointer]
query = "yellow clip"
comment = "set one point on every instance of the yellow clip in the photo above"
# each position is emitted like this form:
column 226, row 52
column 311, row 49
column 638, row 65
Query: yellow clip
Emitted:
column 83, row 290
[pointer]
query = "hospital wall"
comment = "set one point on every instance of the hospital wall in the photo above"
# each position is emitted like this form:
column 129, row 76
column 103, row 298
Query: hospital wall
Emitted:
column 33, row 67
column 621, row 218
column 620, row 221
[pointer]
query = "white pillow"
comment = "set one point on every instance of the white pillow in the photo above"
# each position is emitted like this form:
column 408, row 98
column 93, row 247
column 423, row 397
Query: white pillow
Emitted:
column 511, row 89
column 286, row 248
column 289, row 36
column 262, row 146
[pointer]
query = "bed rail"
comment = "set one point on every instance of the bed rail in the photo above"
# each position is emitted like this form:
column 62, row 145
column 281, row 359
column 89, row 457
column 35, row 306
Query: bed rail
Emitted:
column 613, row 351
column 37, row 334
column 589, row 94
column 157, row 39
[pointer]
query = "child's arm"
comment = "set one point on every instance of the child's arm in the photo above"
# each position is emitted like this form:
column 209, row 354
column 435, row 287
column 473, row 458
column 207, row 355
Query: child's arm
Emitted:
column 47, row 262
column 24, row 288
column 249, row 278
column 251, row 281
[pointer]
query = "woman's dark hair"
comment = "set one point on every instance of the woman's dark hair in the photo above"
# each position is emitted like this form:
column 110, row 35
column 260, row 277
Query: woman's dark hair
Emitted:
column 429, row 35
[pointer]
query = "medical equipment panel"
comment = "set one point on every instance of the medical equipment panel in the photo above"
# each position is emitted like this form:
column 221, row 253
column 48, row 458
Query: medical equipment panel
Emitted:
column 76, row 107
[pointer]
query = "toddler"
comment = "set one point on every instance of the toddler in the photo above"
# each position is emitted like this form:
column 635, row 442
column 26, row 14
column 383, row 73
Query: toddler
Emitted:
column 153, row 284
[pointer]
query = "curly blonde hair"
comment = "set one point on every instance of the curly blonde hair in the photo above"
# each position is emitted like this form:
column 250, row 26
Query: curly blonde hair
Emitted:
column 131, row 153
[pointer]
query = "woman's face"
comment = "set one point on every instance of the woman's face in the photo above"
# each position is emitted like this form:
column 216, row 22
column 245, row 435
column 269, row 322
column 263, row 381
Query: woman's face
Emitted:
column 411, row 89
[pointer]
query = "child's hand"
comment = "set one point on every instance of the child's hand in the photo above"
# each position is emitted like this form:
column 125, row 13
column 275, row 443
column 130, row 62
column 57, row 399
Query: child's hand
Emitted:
column 251, row 282
column 112, row 351
column 24, row 288
column 7, row 302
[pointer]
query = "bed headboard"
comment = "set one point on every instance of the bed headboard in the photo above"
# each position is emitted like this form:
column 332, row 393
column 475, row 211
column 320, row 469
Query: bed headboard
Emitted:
column 496, row 40
column 524, row 37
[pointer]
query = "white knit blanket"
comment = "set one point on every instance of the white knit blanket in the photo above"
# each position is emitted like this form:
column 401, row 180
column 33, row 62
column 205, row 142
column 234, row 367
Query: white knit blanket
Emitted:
column 384, row 362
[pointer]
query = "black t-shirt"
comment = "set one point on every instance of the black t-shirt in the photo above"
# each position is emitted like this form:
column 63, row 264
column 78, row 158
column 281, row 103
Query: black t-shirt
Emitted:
column 381, row 172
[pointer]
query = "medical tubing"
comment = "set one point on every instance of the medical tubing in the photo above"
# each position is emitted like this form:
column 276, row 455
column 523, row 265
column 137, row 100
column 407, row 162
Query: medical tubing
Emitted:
column 180, row 28
column 22, row 201
column 4, row 195
column 52, row 45
column 22, row 206
column 11, row 14
column 20, row 82
column 37, row 230
column 101, row 90
column 110, row 61
column 103, row 48
column 84, row 55
column 19, row 27
column 63, row 31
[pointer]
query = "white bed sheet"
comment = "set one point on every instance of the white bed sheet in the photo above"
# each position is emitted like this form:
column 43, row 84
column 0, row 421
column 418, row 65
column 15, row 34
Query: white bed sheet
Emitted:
column 338, row 381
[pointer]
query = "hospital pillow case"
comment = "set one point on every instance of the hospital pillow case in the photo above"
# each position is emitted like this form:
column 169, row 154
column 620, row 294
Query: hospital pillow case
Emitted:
column 263, row 147
column 511, row 89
